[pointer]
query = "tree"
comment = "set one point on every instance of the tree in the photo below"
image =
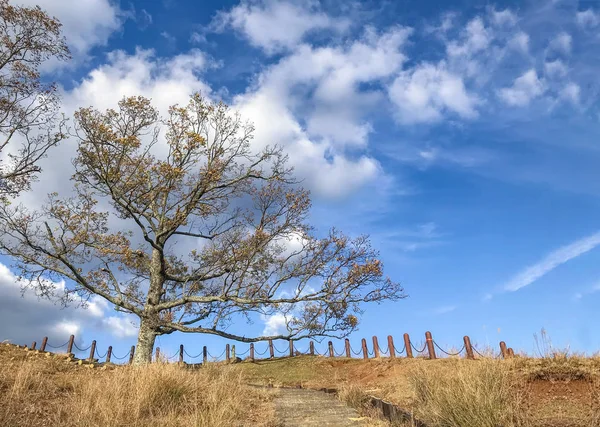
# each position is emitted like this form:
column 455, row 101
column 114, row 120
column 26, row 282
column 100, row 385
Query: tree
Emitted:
column 28, row 107
column 143, row 205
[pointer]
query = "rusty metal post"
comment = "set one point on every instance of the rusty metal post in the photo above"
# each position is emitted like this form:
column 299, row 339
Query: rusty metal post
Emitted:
column 291, row 348
column 252, row 352
column 227, row 354
column 204, row 355
column 70, row 344
column 503, row 349
column 180, row 353
column 92, row 351
column 311, row 346
column 347, row 346
column 44, row 342
column 391, row 347
column 131, row 353
column 33, row 344
column 364, row 349
column 430, row 347
column 330, row 348
column 271, row 350
column 407, row 346
column 375, row 347
column 510, row 352
column 468, row 347
column 108, row 354
column 157, row 355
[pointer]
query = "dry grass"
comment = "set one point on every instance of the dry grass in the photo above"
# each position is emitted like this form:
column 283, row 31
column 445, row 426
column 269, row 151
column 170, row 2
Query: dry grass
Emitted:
column 39, row 390
column 462, row 393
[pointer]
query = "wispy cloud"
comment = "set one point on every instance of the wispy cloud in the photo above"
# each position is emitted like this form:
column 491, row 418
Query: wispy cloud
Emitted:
column 553, row 260
column 592, row 290
column 445, row 309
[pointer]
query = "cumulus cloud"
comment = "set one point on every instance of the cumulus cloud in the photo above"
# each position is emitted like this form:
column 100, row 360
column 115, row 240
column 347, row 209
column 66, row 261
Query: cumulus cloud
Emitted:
column 276, row 26
column 555, row 68
column 571, row 92
column 320, row 88
column 520, row 42
column 561, row 43
column 474, row 38
column 427, row 92
column 26, row 318
column 524, row 89
column 86, row 23
column 275, row 324
column 503, row 17
column 587, row 19
column 553, row 260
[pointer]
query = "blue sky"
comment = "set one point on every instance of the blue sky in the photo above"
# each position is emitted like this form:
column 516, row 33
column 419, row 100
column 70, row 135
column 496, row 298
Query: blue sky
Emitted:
column 461, row 136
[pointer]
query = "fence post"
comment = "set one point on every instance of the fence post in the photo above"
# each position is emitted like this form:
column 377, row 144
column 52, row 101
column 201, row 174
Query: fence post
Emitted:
column 204, row 355
column 157, row 355
column 44, row 342
column 252, row 352
column 271, row 351
column 510, row 352
column 180, row 353
column 70, row 344
column 311, row 346
column 330, row 347
column 92, row 351
column 33, row 344
column 108, row 354
column 375, row 347
column 347, row 345
column 227, row 355
column 391, row 347
column 407, row 345
column 468, row 347
column 430, row 347
column 233, row 352
column 291, row 348
column 364, row 349
column 131, row 353
column 503, row 349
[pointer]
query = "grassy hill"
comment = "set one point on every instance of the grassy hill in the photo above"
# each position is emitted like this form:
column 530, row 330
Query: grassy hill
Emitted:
column 38, row 389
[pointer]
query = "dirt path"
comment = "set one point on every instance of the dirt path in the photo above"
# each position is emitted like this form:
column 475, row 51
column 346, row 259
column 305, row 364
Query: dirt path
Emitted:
column 301, row 407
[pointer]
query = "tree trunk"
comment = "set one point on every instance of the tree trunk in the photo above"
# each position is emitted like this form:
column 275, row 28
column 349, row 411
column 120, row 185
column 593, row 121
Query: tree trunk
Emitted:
column 145, row 344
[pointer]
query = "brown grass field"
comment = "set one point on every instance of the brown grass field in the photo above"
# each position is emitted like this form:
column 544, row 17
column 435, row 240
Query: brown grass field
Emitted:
column 556, row 390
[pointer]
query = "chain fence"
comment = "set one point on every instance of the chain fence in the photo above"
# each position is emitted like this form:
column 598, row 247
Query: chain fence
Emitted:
column 448, row 353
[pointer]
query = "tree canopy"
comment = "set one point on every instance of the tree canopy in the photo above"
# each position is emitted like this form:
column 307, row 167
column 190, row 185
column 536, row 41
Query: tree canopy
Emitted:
column 29, row 122
column 178, row 222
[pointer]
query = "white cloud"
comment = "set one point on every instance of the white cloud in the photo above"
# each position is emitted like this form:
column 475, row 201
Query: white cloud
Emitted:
column 592, row 290
column 555, row 68
column 474, row 38
column 320, row 88
column 27, row 318
column 571, row 92
column 587, row 19
column 276, row 26
column 562, row 43
column 503, row 17
column 553, row 260
column 427, row 92
column 86, row 23
column 524, row 89
column 445, row 309
column 275, row 324
column 197, row 38
column 520, row 42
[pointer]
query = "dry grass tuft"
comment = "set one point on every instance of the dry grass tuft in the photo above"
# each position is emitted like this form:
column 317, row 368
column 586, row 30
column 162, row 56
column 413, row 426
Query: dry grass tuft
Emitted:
column 466, row 393
column 40, row 390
